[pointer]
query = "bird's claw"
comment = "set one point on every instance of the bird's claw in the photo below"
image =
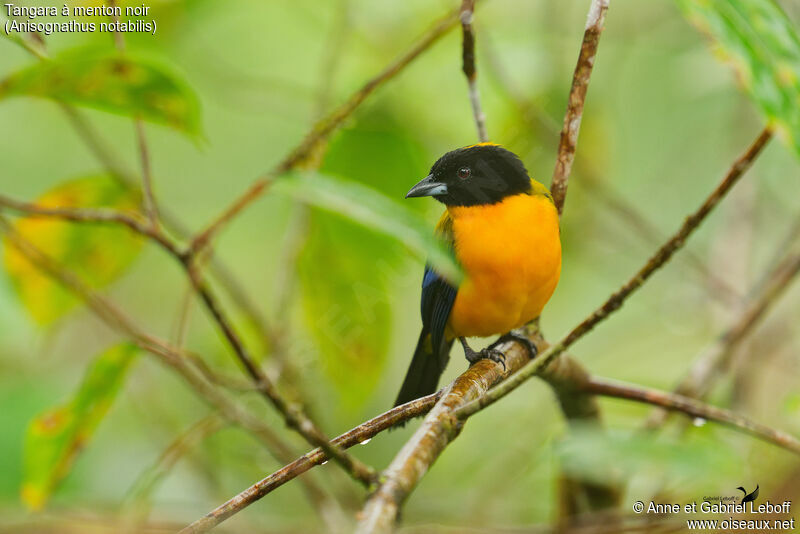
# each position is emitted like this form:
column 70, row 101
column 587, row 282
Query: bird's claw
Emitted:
column 487, row 354
column 533, row 350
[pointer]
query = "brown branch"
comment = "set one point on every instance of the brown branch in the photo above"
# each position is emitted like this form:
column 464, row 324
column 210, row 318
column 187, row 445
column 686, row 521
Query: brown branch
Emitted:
column 691, row 407
column 293, row 415
column 616, row 300
column 323, row 129
column 468, row 66
column 470, row 392
column 577, row 97
column 709, row 365
column 95, row 216
column 359, row 434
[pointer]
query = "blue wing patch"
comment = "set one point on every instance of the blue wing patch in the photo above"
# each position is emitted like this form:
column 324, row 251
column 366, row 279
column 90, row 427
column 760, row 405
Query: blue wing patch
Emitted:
column 437, row 303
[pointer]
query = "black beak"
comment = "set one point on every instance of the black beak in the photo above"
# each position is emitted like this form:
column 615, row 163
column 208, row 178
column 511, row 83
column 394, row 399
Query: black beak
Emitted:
column 427, row 187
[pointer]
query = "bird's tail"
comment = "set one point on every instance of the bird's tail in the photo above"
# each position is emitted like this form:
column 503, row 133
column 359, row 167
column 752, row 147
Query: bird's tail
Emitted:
column 426, row 368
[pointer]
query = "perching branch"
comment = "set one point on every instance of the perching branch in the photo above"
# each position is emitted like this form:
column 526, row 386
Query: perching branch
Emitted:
column 363, row 432
column 579, row 381
column 470, row 392
column 437, row 430
column 322, row 130
column 468, row 66
column 616, row 300
column 577, row 97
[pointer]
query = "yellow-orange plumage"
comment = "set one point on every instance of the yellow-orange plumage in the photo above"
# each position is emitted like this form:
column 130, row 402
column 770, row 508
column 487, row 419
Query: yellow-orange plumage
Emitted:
column 511, row 255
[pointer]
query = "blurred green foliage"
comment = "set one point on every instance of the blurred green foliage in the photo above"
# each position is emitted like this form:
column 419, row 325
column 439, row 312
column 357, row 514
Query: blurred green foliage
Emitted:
column 663, row 121
column 55, row 437
column 97, row 254
column 762, row 44
column 110, row 83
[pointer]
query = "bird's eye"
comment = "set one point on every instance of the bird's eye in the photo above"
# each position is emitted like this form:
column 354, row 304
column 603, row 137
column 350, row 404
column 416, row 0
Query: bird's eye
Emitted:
column 464, row 172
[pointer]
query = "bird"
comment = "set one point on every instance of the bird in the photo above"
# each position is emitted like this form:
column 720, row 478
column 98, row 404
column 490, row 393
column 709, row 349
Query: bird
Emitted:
column 748, row 497
column 503, row 229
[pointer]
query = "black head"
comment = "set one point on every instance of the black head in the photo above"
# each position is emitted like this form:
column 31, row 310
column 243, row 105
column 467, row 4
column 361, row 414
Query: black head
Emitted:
column 474, row 175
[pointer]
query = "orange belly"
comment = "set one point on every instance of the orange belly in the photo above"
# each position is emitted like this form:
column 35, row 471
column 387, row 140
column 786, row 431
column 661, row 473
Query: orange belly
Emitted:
column 511, row 256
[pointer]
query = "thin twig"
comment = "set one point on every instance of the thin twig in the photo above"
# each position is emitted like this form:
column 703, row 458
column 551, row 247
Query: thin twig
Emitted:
column 468, row 66
column 95, row 216
column 577, row 97
column 323, row 129
column 149, row 201
column 691, row 407
column 708, row 366
column 616, row 300
column 361, row 433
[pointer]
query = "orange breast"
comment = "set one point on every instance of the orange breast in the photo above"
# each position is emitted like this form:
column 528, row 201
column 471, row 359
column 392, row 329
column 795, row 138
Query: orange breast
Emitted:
column 511, row 256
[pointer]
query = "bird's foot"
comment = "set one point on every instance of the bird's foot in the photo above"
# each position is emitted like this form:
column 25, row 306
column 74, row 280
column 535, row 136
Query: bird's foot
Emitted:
column 489, row 353
column 533, row 351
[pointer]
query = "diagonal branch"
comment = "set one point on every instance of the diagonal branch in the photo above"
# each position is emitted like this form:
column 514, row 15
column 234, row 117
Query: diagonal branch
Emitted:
column 293, row 415
column 468, row 66
column 577, row 97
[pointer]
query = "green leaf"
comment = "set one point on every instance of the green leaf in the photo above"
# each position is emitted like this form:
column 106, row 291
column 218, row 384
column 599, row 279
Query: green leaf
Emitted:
column 56, row 437
column 111, row 83
column 97, row 253
column 759, row 40
column 345, row 290
column 373, row 210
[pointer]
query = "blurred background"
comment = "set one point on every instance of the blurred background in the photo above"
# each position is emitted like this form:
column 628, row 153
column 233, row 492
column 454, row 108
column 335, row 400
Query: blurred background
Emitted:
column 664, row 120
